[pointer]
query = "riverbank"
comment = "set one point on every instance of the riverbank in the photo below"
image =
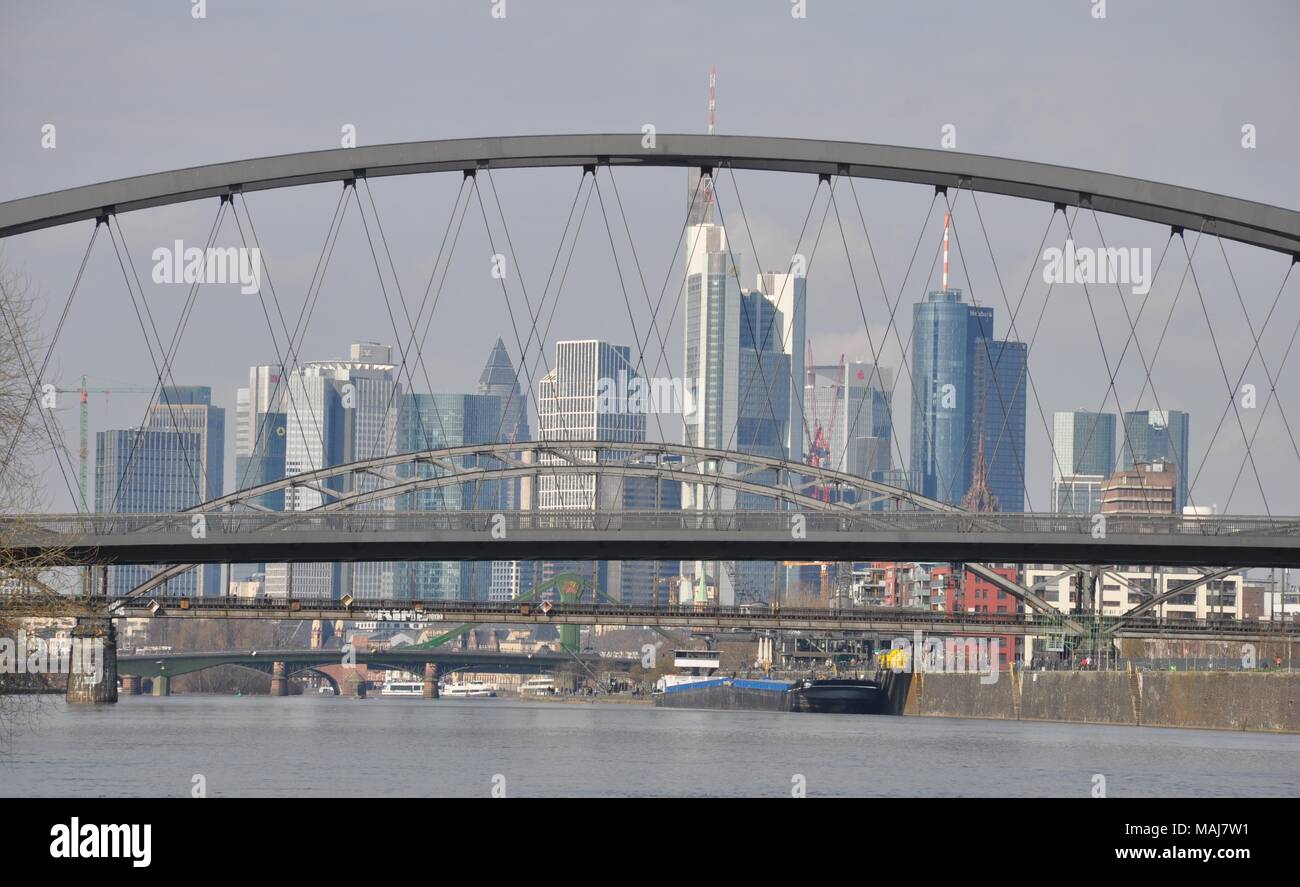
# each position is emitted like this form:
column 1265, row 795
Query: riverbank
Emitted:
column 1254, row 702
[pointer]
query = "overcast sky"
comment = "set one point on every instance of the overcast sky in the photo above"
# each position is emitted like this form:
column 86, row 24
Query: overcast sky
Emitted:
column 1157, row 90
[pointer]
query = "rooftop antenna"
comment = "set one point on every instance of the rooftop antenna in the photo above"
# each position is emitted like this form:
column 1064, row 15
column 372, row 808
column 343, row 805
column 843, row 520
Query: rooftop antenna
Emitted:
column 713, row 96
column 945, row 251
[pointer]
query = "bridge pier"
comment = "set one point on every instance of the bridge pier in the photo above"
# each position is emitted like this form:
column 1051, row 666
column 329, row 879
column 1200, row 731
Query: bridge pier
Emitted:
column 279, row 679
column 92, row 672
column 131, row 685
column 162, row 686
column 430, row 680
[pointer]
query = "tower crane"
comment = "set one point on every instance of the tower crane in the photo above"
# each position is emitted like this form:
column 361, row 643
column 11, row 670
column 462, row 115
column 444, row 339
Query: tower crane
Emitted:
column 85, row 391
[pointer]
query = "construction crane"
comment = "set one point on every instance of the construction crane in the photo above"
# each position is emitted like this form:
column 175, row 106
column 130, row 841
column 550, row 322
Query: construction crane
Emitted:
column 819, row 447
column 85, row 391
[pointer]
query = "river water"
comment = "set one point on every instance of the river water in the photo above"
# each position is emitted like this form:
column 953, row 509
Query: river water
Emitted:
column 339, row 746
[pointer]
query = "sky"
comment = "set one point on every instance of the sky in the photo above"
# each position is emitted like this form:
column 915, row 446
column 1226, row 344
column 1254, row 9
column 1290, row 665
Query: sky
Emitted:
column 1156, row 90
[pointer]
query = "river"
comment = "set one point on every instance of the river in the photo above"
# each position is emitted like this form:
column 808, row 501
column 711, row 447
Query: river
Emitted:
column 339, row 746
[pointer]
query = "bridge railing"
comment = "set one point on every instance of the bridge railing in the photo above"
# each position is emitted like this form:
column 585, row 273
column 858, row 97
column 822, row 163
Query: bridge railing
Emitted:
column 51, row 530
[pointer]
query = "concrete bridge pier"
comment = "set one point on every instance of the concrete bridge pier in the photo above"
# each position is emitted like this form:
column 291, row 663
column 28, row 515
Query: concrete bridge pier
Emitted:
column 430, row 680
column 131, row 685
column 162, row 686
column 92, row 672
column 279, row 679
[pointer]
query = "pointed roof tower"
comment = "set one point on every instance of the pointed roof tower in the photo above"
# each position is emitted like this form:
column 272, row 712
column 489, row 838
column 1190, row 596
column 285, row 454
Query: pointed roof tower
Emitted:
column 498, row 378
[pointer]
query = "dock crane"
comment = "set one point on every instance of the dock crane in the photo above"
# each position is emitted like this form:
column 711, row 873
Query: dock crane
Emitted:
column 85, row 391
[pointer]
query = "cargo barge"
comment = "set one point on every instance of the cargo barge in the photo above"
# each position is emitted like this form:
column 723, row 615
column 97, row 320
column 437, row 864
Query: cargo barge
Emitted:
column 830, row 696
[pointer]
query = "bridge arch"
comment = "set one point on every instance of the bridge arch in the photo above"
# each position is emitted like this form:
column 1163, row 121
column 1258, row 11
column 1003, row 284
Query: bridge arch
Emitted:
column 1246, row 221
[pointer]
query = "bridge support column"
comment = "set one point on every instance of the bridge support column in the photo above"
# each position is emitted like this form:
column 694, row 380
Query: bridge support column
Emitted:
column 92, row 670
column 430, row 680
column 162, row 686
column 279, row 680
column 131, row 684
column 359, row 688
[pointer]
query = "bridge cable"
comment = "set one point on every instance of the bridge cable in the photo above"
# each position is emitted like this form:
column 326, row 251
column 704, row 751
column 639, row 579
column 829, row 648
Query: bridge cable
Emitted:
column 163, row 368
column 1147, row 367
column 1271, row 395
column 282, row 359
column 627, row 301
column 1272, row 379
column 58, row 446
column 49, row 352
column 744, row 217
column 992, row 364
column 1232, row 392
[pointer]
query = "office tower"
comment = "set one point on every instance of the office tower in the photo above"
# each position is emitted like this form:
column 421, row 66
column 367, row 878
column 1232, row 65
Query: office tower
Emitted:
column 1083, row 456
column 968, row 405
column 189, row 409
column 499, row 379
column 338, row 411
column 438, row 421
column 1151, row 435
column 849, row 405
column 789, row 293
column 264, row 386
column 151, row 470
column 583, row 398
column 998, row 419
column 265, row 463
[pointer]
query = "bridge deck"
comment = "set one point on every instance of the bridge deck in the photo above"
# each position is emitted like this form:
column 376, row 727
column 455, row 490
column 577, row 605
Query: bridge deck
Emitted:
column 256, row 537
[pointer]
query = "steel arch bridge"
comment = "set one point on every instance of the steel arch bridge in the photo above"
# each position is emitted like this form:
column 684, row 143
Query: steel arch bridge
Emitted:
column 1246, row 221
column 787, row 485
column 1260, row 225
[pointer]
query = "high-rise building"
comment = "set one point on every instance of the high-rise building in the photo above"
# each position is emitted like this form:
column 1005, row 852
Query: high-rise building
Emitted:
column 437, row 421
column 789, row 294
column 151, row 470
column 499, row 379
column 1151, row 435
column 173, row 463
column 1083, row 456
column 338, row 411
column 999, row 380
column 968, row 405
column 582, row 398
column 849, row 403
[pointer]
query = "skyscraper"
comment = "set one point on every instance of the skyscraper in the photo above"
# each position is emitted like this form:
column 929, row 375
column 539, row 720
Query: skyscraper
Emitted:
column 1083, row 456
column 968, row 404
column 430, row 422
column 850, row 404
column 1155, row 435
column 338, row 411
column 581, row 398
column 151, row 470
column 499, row 379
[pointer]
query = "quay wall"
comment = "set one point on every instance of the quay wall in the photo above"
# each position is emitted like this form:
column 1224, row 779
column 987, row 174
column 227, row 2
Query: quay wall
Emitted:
column 1249, row 701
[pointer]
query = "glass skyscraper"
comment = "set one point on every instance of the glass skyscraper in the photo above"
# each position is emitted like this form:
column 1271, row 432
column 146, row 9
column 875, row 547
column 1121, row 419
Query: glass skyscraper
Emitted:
column 968, row 402
column 431, row 422
column 1083, row 456
column 1150, row 435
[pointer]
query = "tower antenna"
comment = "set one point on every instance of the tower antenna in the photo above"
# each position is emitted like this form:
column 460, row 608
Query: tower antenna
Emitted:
column 945, row 251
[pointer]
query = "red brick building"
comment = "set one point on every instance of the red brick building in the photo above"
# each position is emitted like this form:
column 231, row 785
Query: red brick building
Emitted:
column 975, row 596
